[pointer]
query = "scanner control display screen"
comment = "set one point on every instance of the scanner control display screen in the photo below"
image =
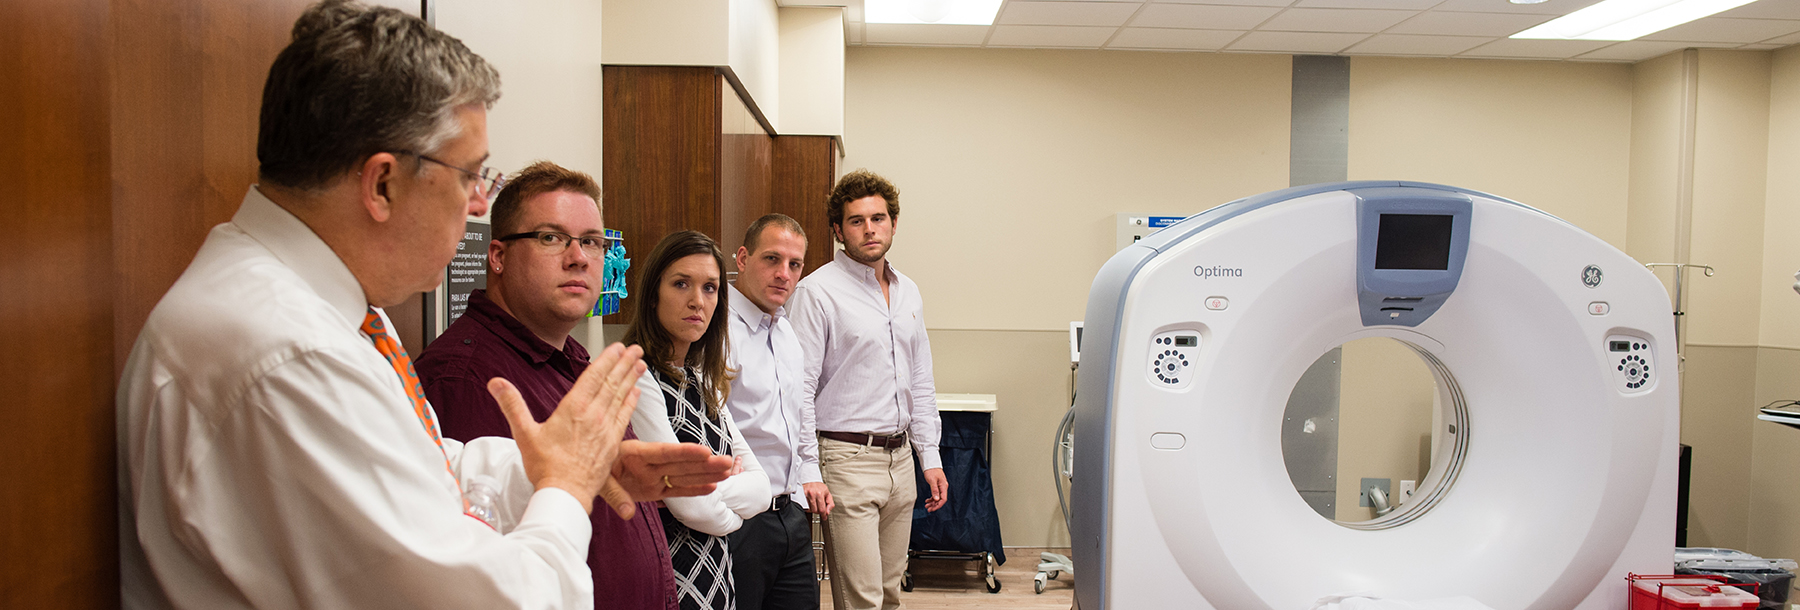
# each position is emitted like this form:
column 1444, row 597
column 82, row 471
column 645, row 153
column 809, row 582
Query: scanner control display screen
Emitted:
column 1413, row 241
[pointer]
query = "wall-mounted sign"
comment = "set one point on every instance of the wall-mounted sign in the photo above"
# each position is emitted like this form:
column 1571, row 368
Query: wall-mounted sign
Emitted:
column 466, row 273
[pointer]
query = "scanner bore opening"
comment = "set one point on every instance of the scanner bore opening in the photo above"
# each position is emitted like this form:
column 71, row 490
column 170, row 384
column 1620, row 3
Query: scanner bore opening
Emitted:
column 1364, row 413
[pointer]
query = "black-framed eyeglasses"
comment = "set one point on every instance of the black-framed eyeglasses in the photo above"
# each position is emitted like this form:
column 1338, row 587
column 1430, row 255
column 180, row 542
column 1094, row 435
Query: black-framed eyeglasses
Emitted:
column 594, row 246
column 488, row 181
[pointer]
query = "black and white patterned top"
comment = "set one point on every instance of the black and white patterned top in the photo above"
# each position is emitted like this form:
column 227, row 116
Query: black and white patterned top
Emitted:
column 702, row 562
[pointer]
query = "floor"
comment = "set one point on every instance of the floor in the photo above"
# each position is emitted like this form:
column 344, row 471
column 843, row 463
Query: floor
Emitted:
column 942, row 584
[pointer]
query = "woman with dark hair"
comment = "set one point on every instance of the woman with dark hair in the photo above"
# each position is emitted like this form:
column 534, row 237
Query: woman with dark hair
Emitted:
column 681, row 324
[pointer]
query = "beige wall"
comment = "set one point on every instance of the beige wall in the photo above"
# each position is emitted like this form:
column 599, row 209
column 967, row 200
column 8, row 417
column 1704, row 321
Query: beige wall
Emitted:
column 812, row 71
column 549, row 62
column 1019, row 160
column 1730, row 164
column 1718, row 419
column 1653, row 215
column 1780, row 311
column 667, row 32
column 550, row 76
column 741, row 34
column 1724, row 227
column 755, row 54
column 1553, row 135
column 1385, row 402
column 1028, row 372
column 1774, row 501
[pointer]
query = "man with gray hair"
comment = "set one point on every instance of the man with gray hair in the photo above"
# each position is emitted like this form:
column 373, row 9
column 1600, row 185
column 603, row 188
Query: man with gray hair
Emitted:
column 275, row 448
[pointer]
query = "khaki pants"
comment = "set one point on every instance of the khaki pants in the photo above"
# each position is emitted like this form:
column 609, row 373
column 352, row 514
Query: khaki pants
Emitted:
column 868, row 530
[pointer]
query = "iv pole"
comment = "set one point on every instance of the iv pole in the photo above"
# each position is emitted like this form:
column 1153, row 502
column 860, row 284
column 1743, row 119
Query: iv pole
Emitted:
column 1681, row 306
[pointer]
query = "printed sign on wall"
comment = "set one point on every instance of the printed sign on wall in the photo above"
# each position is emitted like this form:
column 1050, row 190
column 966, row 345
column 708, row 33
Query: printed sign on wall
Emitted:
column 467, row 272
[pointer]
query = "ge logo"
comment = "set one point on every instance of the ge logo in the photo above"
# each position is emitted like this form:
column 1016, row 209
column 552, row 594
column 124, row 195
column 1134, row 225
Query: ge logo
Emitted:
column 1591, row 276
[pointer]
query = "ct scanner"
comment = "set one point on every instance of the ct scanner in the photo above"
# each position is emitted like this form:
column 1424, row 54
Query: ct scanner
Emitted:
column 1554, row 357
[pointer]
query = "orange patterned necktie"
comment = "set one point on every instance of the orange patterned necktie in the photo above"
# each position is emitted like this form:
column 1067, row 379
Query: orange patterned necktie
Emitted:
column 396, row 356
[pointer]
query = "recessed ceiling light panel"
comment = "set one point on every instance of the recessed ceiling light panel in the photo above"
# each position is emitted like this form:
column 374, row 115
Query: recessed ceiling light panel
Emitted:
column 1626, row 19
column 940, row 12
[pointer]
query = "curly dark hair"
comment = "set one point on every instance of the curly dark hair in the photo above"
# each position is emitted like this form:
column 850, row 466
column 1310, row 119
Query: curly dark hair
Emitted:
column 857, row 185
column 647, row 331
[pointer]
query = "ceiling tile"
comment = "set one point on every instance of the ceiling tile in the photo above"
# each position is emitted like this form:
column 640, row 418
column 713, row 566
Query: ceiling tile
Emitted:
column 1067, row 13
column 914, row 33
column 1719, row 29
column 1295, row 42
column 1410, row 44
column 1050, row 36
column 1468, row 24
column 1784, row 40
column 1765, row 9
column 1634, row 50
column 1549, row 7
column 1160, row 38
column 1413, row 5
column 1534, row 49
column 1335, row 20
column 1203, row 16
column 1229, row 2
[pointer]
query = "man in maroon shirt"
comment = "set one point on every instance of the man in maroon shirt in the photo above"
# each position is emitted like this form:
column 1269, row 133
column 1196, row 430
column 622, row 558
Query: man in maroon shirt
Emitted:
column 544, row 270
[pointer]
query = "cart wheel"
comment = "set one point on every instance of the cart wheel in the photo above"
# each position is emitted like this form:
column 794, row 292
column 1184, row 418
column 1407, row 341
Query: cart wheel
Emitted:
column 1038, row 582
column 993, row 585
column 906, row 581
column 1055, row 573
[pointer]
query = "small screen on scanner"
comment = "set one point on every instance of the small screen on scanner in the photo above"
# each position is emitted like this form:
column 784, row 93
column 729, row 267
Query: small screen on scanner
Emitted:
column 1413, row 241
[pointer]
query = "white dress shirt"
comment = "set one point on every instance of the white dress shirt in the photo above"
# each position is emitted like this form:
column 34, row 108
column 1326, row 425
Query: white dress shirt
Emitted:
column 269, row 456
column 868, row 361
column 765, row 396
column 739, row 497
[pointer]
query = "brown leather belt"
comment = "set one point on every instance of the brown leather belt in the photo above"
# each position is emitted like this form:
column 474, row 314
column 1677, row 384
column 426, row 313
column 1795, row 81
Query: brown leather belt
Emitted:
column 873, row 440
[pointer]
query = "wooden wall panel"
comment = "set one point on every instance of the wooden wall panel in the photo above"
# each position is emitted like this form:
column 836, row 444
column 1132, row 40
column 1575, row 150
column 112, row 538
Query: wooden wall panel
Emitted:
column 58, row 547
column 804, row 170
column 187, row 89
column 660, row 173
column 745, row 156
column 131, row 131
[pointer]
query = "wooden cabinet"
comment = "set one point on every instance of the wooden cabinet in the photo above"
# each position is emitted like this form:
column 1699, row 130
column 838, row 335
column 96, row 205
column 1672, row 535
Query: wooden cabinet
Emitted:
column 805, row 169
column 683, row 150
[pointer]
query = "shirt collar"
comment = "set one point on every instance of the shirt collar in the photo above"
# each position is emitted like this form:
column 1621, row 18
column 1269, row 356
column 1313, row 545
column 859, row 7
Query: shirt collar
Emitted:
column 297, row 246
column 746, row 310
column 864, row 271
column 510, row 330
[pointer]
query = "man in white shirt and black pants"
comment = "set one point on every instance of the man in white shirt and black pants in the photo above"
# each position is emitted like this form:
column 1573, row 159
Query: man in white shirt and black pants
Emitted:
column 772, row 555
column 868, row 395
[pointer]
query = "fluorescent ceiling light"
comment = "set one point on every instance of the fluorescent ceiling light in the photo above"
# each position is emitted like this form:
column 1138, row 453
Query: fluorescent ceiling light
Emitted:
column 1626, row 19
column 942, row 12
